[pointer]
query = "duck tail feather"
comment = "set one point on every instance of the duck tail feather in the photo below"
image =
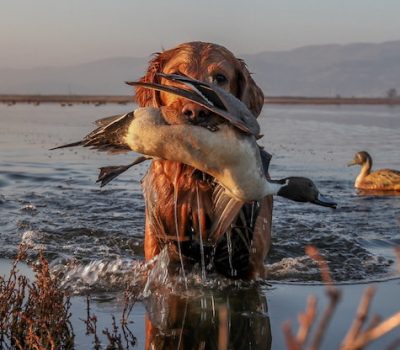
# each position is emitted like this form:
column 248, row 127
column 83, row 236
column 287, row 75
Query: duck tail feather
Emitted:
column 72, row 144
column 225, row 212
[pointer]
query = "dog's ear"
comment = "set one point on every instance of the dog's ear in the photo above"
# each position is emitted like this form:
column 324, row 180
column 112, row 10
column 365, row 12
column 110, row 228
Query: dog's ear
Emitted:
column 249, row 92
column 148, row 97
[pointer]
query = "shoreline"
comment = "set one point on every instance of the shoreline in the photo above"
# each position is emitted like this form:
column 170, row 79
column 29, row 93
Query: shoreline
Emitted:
column 64, row 100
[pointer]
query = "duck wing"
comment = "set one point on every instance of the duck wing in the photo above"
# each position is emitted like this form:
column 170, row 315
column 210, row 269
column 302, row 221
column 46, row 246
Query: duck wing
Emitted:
column 385, row 179
column 226, row 208
column 225, row 104
column 108, row 137
column 209, row 97
column 225, row 212
column 103, row 122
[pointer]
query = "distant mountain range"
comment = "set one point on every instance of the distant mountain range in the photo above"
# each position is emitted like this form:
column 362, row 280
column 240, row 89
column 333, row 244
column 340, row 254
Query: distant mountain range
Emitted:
column 360, row 69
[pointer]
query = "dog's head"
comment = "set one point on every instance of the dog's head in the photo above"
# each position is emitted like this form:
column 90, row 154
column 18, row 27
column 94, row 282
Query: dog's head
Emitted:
column 202, row 61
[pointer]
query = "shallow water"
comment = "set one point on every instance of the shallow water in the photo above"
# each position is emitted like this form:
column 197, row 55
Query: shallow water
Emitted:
column 50, row 200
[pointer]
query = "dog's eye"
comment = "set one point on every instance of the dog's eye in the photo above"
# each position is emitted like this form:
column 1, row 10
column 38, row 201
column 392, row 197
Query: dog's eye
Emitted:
column 220, row 78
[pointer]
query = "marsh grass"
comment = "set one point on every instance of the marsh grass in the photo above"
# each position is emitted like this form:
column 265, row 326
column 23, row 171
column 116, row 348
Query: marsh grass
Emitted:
column 118, row 337
column 36, row 314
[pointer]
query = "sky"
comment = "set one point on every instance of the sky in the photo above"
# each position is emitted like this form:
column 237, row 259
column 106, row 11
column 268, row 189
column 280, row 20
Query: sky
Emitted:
column 64, row 32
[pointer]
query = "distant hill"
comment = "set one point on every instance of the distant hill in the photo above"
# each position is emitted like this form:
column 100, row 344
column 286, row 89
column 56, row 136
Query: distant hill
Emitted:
column 360, row 69
column 105, row 76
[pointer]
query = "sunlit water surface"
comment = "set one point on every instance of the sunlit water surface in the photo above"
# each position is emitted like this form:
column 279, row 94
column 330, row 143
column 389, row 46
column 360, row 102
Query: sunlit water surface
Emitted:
column 94, row 237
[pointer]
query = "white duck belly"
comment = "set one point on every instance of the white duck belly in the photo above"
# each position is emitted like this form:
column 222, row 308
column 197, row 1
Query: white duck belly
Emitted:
column 228, row 155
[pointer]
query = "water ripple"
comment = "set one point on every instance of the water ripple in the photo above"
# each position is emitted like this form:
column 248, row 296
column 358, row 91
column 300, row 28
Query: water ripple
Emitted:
column 51, row 202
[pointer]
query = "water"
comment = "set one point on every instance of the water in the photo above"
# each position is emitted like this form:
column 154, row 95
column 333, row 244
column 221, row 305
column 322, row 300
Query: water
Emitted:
column 358, row 238
column 49, row 199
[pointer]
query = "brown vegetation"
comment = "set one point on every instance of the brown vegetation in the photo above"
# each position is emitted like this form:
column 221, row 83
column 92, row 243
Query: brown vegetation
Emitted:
column 36, row 315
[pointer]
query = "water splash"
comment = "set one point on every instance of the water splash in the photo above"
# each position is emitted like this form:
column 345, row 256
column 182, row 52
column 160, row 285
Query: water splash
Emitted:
column 178, row 240
column 230, row 252
column 202, row 260
column 158, row 275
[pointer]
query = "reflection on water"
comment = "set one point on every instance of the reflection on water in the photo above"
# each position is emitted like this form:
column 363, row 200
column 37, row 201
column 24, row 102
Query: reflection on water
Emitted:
column 377, row 193
column 236, row 316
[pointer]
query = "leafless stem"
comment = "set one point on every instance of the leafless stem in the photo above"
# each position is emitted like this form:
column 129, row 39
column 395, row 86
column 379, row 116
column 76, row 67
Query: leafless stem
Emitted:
column 313, row 253
column 384, row 327
column 332, row 292
column 356, row 338
column 306, row 320
column 291, row 342
column 361, row 317
column 375, row 320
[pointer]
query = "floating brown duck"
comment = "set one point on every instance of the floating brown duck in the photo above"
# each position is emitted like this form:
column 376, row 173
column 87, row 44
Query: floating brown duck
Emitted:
column 382, row 180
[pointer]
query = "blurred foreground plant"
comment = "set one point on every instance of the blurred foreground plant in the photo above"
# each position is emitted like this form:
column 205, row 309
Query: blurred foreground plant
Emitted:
column 356, row 337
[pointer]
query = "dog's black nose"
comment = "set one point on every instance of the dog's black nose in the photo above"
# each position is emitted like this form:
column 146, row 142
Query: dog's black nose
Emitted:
column 195, row 113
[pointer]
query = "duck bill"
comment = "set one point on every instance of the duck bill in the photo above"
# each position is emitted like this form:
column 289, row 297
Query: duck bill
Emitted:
column 324, row 201
column 353, row 162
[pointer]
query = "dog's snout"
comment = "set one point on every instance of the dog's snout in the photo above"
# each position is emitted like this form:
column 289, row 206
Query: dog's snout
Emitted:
column 194, row 113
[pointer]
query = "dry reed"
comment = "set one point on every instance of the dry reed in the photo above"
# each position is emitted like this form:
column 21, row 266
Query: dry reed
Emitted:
column 356, row 337
column 35, row 315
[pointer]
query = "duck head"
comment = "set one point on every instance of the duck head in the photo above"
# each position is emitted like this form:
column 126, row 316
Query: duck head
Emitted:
column 302, row 189
column 361, row 158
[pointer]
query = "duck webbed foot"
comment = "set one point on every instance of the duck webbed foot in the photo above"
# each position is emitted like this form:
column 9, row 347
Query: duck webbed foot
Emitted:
column 109, row 173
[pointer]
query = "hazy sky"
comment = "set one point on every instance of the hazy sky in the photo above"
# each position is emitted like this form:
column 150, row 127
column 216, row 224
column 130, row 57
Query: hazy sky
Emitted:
column 55, row 32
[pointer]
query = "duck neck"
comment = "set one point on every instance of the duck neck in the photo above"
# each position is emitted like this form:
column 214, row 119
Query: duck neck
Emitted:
column 366, row 167
column 365, row 171
column 274, row 187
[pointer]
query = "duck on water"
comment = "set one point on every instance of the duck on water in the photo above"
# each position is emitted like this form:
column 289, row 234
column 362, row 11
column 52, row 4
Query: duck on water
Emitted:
column 380, row 180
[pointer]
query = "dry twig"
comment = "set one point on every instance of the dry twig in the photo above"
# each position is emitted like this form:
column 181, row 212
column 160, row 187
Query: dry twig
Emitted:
column 356, row 338
column 361, row 317
column 291, row 341
column 306, row 320
column 332, row 293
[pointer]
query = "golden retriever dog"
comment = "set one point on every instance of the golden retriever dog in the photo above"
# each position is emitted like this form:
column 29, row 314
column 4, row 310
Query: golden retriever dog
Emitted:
column 178, row 197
